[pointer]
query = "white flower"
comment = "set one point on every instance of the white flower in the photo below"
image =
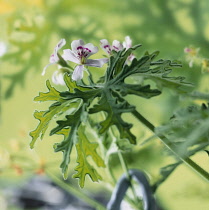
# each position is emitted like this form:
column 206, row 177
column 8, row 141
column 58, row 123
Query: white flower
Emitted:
column 79, row 54
column 3, row 48
column 116, row 45
column 54, row 57
column 192, row 55
column 57, row 78
column 128, row 44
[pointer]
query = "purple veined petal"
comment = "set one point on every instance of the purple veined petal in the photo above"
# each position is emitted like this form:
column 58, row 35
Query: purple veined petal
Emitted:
column 61, row 43
column 68, row 55
column 91, row 49
column 53, row 58
column 117, row 46
column 131, row 57
column 96, row 62
column 75, row 44
column 104, row 42
column 78, row 72
column 44, row 70
column 57, row 78
column 105, row 46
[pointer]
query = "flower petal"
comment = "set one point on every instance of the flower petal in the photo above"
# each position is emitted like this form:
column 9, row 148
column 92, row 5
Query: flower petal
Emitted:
column 75, row 44
column 92, row 49
column 78, row 72
column 53, row 58
column 57, row 78
column 117, row 46
column 44, row 70
column 61, row 43
column 96, row 62
column 128, row 42
column 68, row 55
column 105, row 46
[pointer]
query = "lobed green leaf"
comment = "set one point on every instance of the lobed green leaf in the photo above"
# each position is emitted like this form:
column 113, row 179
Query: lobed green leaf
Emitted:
column 84, row 149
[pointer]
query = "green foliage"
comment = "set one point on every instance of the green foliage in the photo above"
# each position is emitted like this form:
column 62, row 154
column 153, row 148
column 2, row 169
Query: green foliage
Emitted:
column 52, row 95
column 55, row 109
column 78, row 106
column 165, row 172
column 187, row 133
column 84, row 149
column 188, row 129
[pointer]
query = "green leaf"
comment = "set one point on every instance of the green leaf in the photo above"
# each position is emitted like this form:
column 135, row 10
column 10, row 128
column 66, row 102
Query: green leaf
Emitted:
column 66, row 147
column 187, row 128
column 198, row 95
column 160, row 74
column 139, row 90
column 117, row 62
column 72, row 85
column 84, row 149
column 52, row 95
column 72, row 120
column 89, row 148
column 41, row 129
column 158, row 71
column 114, row 106
column 45, row 118
column 165, row 172
column 71, row 123
column 55, row 109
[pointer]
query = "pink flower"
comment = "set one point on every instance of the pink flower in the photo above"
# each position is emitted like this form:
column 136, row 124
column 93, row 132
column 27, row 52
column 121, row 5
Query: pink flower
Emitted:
column 79, row 54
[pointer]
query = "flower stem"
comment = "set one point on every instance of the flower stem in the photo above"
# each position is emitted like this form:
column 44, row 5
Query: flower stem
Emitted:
column 186, row 160
column 73, row 191
column 125, row 168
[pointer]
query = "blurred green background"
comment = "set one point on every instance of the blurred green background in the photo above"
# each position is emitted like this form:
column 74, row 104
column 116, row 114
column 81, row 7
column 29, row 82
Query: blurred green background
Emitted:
column 31, row 28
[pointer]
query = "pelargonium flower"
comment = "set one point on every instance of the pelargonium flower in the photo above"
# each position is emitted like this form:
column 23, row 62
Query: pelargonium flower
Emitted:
column 128, row 44
column 79, row 54
column 116, row 46
column 54, row 57
column 191, row 54
column 58, row 77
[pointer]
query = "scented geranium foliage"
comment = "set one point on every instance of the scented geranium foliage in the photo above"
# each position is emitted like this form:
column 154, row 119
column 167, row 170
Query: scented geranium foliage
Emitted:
column 87, row 105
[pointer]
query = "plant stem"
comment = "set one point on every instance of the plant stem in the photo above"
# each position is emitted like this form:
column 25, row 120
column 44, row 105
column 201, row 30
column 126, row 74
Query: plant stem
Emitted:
column 124, row 165
column 186, row 160
column 73, row 191
column 125, row 168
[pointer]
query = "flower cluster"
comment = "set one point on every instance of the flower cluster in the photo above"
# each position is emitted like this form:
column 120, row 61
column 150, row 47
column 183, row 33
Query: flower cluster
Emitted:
column 192, row 54
column 193, row 57
column 79, row 55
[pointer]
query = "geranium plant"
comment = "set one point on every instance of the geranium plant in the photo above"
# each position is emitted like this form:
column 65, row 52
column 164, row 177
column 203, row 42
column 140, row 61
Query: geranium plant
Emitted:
column 95, row 108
